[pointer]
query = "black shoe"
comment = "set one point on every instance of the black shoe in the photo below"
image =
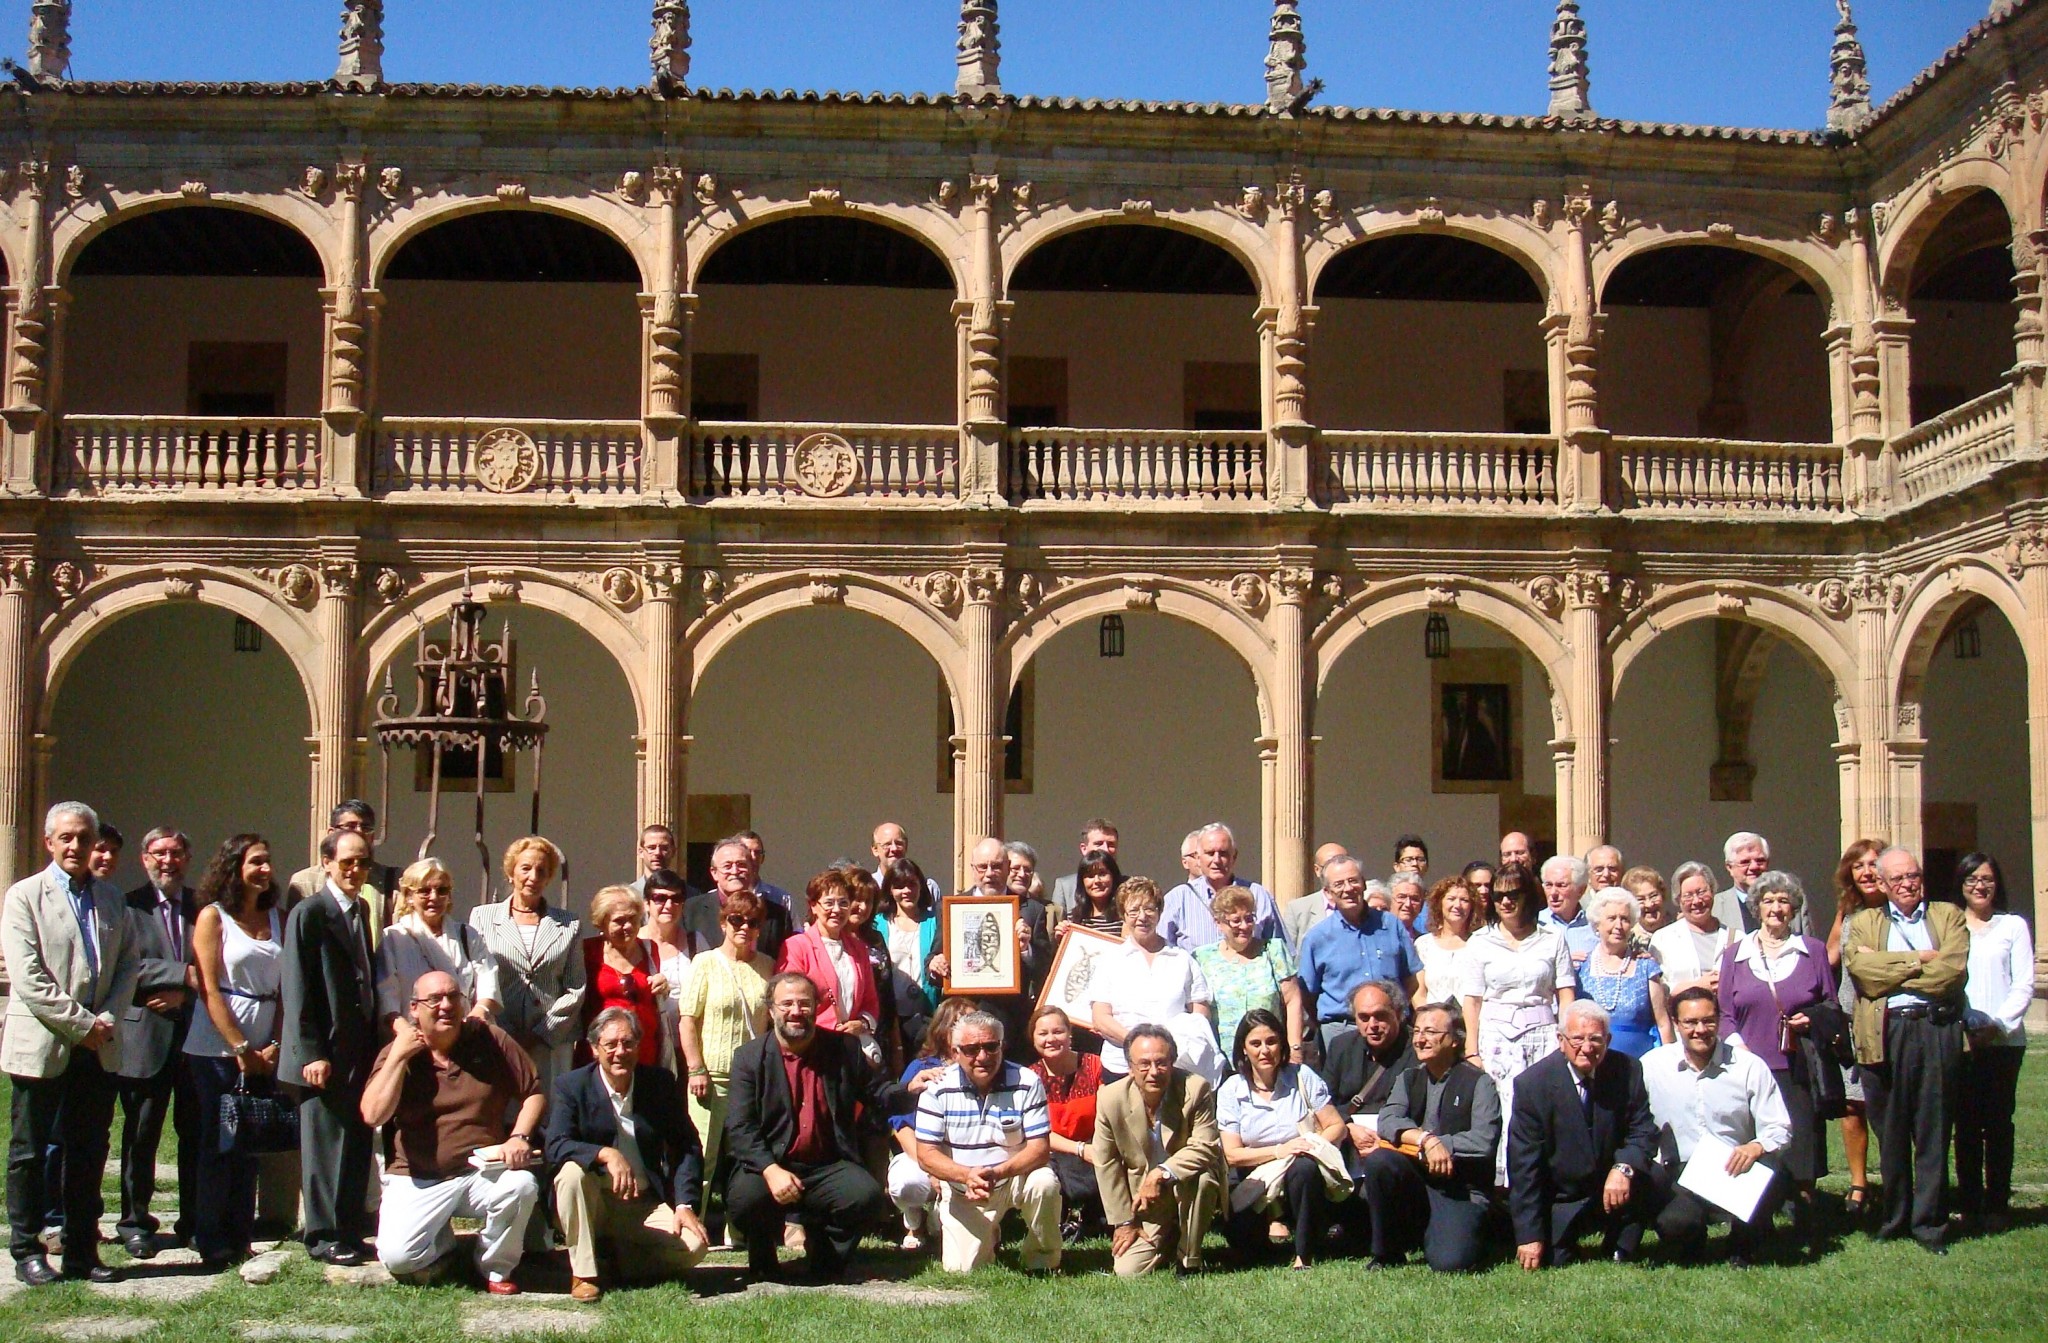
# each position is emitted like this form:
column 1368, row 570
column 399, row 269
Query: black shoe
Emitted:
column 93, row 1272
column 35, row 1271
column 141, row 1245
column 348, row 1254
column 1738, row 1261
column 1932, row 1246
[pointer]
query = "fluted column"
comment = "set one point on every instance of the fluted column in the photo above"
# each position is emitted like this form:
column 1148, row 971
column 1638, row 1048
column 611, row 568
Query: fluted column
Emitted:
column 350, row 316
column 1878, row 812
column 1585, row 635
column 981, row 315
column 332, row 745
column 664, row 777
column 668, row 317
column 18, row 695
column 28, row 384
column 984, row 692
column 1292, row 705
column 1582, row 445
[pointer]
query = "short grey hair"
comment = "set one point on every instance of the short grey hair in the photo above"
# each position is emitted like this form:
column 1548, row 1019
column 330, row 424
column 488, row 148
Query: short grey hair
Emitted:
column 980, row 1020
column 1686, row 872
column 63, row 809
column 1216, row 828
column 1741, row 840
column 1400, row 879
column 168, row 832
column 1394, row 994
column 1580, row 873
column 1579, row 1008
column 1341, row 860
column 613, row 1016
column 1778, row 883
column 1017, row 848
column 1188, row 842
column 1598, row 901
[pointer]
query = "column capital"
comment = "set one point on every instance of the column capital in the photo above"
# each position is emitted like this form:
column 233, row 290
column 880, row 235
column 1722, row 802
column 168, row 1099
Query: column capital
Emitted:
column 2026, row 548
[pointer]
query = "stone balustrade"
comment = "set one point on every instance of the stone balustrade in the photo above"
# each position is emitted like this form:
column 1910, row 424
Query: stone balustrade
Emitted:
column 1711, row 475
column 157, row 454
column 1491, row 471
column 1956, row 447
column 795, row 461
column 1100, row 465
column 548, row 459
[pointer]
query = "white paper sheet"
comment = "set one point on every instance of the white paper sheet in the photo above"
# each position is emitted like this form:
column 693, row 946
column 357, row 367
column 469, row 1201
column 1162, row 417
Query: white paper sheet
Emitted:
column 1707, row 1175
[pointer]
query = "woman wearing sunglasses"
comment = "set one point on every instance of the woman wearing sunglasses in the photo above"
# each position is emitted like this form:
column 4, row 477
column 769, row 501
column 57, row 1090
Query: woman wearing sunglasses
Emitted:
column 724, row 1004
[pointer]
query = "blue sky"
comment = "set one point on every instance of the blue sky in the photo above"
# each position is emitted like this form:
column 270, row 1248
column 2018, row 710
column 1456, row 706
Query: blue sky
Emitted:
column 1731, row 62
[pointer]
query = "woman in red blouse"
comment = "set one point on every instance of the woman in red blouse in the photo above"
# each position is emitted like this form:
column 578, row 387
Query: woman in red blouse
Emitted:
column 622, row 969
column 1071, row 1081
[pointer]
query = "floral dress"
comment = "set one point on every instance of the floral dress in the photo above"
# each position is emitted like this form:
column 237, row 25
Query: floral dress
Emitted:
column 1241, row 986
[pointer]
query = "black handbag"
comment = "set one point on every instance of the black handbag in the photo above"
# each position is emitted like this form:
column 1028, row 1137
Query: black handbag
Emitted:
column 255, row 1121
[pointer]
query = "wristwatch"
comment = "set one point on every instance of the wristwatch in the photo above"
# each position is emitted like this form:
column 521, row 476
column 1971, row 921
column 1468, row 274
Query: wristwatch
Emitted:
column 1627, row 1171
column 243, row 1050
column 1164, row 1174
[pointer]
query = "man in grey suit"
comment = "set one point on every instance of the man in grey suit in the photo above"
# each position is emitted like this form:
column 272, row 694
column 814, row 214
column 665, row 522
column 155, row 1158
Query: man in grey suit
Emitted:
column 71, row 959
column 152, row 1073
column 329, row 987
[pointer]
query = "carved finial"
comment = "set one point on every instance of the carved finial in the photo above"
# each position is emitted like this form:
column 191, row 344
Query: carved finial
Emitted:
column 1286, row 57
column 362, row 45
column 49, row 40
column 669, row 48
column 1848, row 79
column 1571, row 80
column 980, row 50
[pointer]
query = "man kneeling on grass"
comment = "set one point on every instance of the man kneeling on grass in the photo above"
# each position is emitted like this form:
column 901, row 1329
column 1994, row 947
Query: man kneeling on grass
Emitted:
column 445, row 1084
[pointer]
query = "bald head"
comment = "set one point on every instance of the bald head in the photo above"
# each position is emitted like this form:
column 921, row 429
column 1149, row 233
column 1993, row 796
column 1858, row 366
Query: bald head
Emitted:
column 989, row 864
column 891, row 841
column 437, row 1008
column 1326, row 853
column 1514, row 848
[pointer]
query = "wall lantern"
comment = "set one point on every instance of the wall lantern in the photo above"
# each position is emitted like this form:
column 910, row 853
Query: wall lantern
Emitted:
column 1112, row 636
column 248, row 638
column 1436, row 637
column 1969, row 640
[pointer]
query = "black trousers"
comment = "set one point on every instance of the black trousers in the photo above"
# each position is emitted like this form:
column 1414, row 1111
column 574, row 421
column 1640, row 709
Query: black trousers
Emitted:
column 1683, row 1216
column 841, row 1203
column 1911, row 1095
column 221, row 1201
column 1308, row 1212
column 334, row 1168
column 145, row 1103
column 1446, row 1218
column 81, row 1098
column 1079, row 1192
column 1621, row 1231
column 1984, row 1107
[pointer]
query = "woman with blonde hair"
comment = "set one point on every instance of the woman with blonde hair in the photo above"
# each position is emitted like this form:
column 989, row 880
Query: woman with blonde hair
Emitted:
column 421, row 940
column 622, row 969
column 539, row 961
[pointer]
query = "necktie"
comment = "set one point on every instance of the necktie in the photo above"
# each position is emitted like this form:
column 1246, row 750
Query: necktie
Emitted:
column 81, row 903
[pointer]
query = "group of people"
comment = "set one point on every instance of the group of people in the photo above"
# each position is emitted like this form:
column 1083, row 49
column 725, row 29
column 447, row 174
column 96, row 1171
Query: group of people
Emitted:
column 1518, row 1055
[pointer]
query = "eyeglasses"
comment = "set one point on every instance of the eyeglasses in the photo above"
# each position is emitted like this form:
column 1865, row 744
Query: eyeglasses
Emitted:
column 1430, row 1033
column 979, row 1048
column 663, row 898
column 435, row 999
column 737, row 922
column 1908, row 881
column 1980, row 883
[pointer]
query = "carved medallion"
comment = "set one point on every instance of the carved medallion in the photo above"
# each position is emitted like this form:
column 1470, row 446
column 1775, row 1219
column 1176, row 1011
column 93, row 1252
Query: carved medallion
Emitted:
column 67, row 580
column 621, row 587
column 506, row 461
column 297, row 585
column 824, row 466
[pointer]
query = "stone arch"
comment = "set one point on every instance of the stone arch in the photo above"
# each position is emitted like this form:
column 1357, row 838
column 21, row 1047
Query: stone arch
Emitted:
column 1925, row 616
column 1510, row 614
column 1527, row 247
column 1180, row 598
column 1918, row 211
column 387, row 633
column 1228, row 231
column 627, row 227
column 918, row 224
column 763, row 598
column 1811, row 262
column 76, row 230
column 65, row 637
column 1802, row 626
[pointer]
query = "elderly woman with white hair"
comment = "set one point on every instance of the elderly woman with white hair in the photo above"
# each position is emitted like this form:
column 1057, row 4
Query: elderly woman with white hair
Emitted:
column 1621, row 975
column 1690, row 946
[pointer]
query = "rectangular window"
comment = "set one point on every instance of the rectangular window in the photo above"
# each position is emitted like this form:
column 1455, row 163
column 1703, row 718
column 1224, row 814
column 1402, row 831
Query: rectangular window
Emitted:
column 708, row 818
column 1038, row 392
column 1525, row 401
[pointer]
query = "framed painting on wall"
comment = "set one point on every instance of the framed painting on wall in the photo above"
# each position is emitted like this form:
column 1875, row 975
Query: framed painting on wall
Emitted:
column 979, row 935
column 1475, row 702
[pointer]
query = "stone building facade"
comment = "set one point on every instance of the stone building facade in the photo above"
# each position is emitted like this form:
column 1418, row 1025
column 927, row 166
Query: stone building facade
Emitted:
column 672, row 363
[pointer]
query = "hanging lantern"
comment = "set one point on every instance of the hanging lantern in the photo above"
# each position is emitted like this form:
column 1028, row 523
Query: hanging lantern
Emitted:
column 1436, row 637
column 1112, row 636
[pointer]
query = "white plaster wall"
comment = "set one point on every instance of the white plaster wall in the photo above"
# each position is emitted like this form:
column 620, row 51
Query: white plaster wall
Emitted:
column 161, row 722
column 523, row 351
column 1412, row 365
column 1372, row 779
column 126, row 337
column 859, row 354
column 1126, row 353
column 1665, row 739
column 1975, row 717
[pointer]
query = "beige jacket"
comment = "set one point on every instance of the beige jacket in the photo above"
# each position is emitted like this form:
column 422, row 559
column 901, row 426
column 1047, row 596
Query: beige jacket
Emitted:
column 55, row 996
column 1878, row 973
column 1122, row 1143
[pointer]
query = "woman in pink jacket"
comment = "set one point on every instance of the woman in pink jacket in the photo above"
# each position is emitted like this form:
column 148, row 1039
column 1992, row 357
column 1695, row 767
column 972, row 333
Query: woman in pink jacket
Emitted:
column 831, row 955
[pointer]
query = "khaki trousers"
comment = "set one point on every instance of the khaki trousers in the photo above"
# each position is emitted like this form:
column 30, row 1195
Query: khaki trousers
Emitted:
column 591, row 1213
column 968, row 1231
column 1184, row 1213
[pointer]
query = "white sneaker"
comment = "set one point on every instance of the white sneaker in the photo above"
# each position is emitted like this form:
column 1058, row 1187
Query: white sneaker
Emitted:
column 912, row 1241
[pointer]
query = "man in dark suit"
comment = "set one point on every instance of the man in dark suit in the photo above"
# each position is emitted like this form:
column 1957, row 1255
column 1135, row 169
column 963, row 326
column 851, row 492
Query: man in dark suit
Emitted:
column 1580, row 1144
column 794, row 1133
column 623, row 1144
column 152, row 1076
column 732, row 871
column 329, row 1044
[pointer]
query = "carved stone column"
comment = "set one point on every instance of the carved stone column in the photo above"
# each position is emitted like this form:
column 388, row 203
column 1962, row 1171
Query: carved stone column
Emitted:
column 979, row 50
column 2030, row 342
column 350, row 317
column 1849, row 786
column 1290, row 437
column 1585, row 634
column 981, row 315
column 1892, row 332
column 18, row 695
column 1582, row 443
column 668, row 314
column 49, row 40
column 984, row 692
column 335, row 692
column 1292, row 705
column 1269, row 842
column 28, row 384
column 1865, row 470
column 668, row 49
column 1877, row 813
column 2027, row 561
column 664, row 778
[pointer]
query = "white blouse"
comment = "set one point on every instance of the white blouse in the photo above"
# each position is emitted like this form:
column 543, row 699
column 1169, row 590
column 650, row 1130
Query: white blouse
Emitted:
column 2001, row 983
column 409, row 950
column 1530, row 975
column 1443, row 968
column 1677, row 948
column 1137, row 991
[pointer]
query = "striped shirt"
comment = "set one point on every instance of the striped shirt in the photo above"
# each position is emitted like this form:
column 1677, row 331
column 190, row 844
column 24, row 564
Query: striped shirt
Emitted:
column 983, row 1130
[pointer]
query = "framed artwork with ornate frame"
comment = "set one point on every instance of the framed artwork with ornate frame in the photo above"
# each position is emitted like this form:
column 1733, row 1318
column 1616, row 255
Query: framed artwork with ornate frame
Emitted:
column 1475, row 720
column 979, row 936
column 1076, row 968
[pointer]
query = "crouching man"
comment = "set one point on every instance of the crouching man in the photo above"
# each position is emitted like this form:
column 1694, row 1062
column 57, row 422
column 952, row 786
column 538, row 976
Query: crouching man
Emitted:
column 623, row 1146
column 444, row 1086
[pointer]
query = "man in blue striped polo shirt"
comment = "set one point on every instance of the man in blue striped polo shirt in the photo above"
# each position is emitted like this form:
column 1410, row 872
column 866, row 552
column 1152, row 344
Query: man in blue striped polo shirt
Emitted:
column 984, row 1136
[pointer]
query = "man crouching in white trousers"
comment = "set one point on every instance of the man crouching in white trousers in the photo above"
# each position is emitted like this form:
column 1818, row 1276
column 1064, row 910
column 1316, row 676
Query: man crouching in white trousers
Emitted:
column 444, row 1086
column 984, row 1136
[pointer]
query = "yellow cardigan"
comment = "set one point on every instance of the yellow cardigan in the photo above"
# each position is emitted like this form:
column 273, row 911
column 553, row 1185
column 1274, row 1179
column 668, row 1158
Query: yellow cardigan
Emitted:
column 1879, row 973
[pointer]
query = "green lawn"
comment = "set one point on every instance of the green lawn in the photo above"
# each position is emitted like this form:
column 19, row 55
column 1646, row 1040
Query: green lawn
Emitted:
column 1988, row 1287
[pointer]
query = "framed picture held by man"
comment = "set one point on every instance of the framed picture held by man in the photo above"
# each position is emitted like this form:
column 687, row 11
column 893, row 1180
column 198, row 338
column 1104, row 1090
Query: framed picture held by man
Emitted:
column 980, row 937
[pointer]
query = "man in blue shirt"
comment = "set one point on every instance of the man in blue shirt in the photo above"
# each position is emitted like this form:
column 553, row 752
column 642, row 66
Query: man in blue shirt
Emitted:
column 1357, row 944
column 1187, row 922
column 1564, row 889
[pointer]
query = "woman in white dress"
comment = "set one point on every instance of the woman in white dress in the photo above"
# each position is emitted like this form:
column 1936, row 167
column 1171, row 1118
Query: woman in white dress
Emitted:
column 1689, row 948
column 422, row 940
column 1453, row 918
column 1517, row 978
column 1145, row 980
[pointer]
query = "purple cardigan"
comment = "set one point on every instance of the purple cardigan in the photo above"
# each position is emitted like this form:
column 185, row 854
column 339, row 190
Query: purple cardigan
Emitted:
column 1748, row 1009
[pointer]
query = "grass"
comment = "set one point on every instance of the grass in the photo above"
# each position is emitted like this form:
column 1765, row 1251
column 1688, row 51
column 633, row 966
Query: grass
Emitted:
column 1989, row 1287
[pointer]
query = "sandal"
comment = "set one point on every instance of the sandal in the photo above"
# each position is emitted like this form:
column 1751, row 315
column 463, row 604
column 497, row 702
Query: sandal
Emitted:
column 1857, row 1200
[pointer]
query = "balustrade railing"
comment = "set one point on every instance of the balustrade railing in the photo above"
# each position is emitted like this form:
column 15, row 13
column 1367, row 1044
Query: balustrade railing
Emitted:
column 1955, row 447
column 1458, row 470
column 748, row 460
column 1073, row 465
column 1711, row 475
column 507, row 457
column 118, row 454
